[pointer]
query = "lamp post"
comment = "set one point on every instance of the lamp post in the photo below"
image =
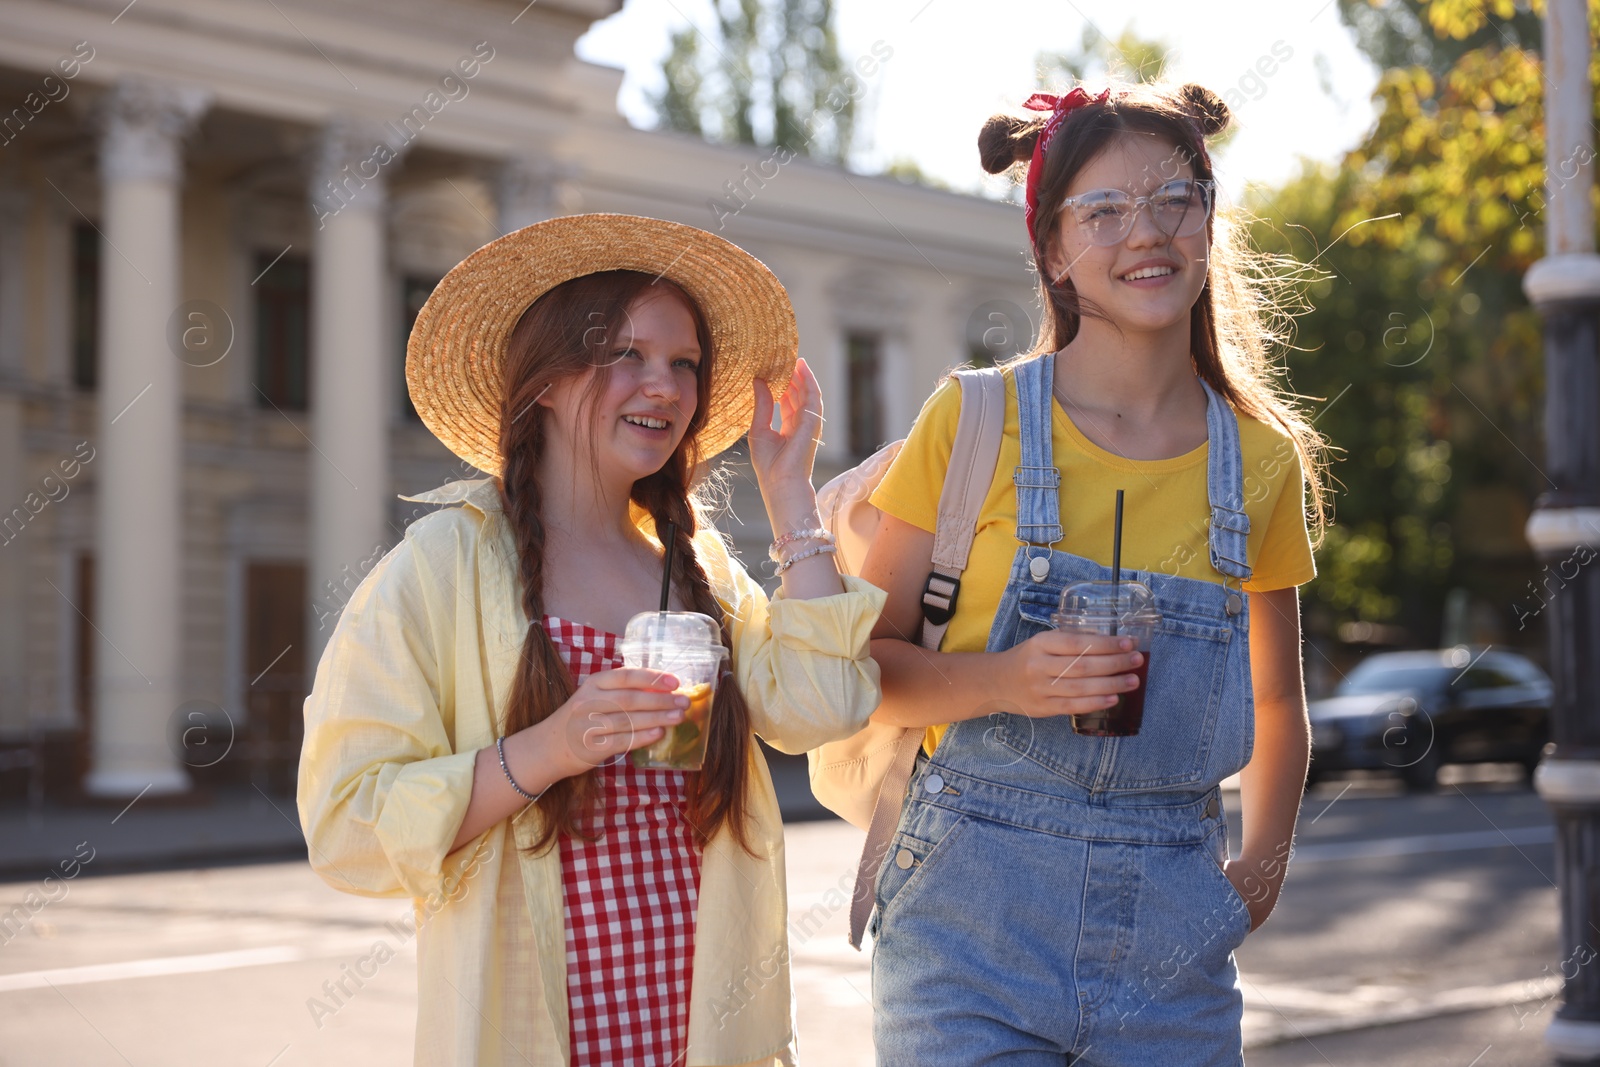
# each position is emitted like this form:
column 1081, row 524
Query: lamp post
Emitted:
column 1564, row 529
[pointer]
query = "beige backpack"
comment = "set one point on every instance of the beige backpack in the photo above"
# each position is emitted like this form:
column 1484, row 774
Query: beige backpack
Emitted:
column 863, row 778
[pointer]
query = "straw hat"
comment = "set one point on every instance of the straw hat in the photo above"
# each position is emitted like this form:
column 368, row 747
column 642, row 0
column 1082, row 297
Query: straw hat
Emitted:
column 455, row 358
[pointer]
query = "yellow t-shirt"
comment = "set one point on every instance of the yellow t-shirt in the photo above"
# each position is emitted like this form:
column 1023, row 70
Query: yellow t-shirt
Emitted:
column 1164, row 508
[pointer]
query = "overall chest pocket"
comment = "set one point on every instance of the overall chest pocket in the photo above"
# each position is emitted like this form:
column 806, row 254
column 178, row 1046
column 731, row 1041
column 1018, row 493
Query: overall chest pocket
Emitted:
column 1183, row 699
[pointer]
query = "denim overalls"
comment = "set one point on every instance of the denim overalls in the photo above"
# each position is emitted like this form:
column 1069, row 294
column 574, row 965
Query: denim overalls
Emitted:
column 1051, row 898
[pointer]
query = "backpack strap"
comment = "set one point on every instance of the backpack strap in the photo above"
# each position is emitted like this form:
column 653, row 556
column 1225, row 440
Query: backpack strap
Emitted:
column 973, row 456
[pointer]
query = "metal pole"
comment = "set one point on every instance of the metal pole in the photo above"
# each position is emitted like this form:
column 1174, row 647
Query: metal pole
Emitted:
column 1564, row 529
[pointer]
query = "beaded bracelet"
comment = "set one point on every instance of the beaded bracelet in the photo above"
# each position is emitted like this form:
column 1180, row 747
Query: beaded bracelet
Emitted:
column 807, row 554
column 500, row 747
column 798, row 535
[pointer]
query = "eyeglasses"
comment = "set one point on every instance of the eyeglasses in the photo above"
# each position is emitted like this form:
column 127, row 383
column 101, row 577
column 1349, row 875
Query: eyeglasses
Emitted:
column 1179, row 209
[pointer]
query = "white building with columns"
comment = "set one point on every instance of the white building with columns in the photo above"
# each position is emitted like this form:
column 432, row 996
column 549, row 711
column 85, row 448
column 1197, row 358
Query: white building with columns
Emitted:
column 217, row 218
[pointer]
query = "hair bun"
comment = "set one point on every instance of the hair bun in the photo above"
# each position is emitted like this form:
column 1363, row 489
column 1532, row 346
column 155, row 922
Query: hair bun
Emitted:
column 1206, row 107
column 1007, row 139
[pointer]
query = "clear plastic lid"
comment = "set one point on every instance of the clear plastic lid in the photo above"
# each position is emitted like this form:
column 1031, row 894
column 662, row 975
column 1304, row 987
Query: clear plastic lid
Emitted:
column 654, row 638
column 1130, row 602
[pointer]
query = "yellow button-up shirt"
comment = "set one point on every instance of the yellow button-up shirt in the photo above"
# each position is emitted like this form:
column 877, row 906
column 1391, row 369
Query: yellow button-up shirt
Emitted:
column 413, row 683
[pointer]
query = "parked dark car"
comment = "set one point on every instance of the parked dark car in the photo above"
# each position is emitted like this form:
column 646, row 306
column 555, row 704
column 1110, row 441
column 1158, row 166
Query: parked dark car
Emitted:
column 1412, row 712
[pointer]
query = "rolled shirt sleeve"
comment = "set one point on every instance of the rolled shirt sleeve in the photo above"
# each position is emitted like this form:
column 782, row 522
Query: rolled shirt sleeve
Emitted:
column 804, row 666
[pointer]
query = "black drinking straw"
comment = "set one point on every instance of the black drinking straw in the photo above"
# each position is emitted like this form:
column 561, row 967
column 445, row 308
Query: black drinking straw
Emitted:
column 672, row 537
column 1116, row 564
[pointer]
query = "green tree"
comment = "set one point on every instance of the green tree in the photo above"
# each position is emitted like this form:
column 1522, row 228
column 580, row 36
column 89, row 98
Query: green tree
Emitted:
column 1128, row 58
column 769, row 73
column 678, row 106
column 1422, row 317
column 1420, row 33
column 1370, row 353
column 905, row 169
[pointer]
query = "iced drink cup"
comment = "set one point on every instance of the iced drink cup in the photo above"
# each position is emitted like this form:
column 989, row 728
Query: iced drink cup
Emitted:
column 689, row 646
column 1127, row 609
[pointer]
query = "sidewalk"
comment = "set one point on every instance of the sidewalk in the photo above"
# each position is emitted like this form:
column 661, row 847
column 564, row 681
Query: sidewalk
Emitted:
column 237, row 947
column 1499, row 1037
column 234, row 826
column 230, row 826
column 1285, row 1025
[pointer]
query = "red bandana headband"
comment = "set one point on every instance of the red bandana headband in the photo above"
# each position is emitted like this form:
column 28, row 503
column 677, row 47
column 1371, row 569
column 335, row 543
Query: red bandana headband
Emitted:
column 1060, row 106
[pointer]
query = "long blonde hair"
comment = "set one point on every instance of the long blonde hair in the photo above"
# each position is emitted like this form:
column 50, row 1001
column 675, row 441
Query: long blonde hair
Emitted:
column 1245, row 310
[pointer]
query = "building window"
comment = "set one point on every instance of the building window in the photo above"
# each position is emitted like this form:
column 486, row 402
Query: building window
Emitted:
column 85, row 306
column 864, row 359
column 83, row 631
column 283, row 332
column 414, row 292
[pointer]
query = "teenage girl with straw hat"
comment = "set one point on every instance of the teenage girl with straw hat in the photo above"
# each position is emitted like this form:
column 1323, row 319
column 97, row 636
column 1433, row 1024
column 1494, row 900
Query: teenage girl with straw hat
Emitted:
column 1055, row 897
column 467, row 733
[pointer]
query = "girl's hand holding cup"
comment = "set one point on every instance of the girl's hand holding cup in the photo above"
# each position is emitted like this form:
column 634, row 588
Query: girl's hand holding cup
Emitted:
column 1062, row 673
column 611, row 713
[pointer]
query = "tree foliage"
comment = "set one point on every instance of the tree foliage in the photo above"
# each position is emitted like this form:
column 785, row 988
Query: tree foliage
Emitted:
column 768, row 72
column 908, row 170
column 679, row 105
column 1128, row 58
column 1370, row 359
column 1422, row 323
column 1397, row 34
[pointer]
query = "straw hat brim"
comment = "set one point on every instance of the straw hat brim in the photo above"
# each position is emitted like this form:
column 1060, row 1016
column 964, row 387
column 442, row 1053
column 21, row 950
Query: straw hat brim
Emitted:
column 455, row 358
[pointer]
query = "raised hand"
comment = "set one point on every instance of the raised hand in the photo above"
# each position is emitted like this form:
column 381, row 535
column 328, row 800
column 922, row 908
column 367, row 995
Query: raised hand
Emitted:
column 783, row 458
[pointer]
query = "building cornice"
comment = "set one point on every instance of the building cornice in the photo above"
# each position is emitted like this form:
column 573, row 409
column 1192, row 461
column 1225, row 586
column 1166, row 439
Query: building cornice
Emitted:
column 532, row 101
column 253, row 60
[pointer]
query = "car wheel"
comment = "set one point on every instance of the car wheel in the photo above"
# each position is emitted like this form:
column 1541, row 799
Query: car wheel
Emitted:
column 1423, row 775
column 1531, row 764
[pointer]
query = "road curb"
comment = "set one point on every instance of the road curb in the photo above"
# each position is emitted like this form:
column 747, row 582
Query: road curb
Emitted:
column 14, row 870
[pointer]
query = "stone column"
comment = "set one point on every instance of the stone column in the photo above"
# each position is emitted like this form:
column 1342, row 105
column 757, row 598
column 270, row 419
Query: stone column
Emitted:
column 16, row 710
column 138, row 467
column 354, row 368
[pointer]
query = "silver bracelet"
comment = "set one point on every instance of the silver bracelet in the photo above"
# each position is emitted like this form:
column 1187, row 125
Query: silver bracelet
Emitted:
column 500, row 747
column 807, row 554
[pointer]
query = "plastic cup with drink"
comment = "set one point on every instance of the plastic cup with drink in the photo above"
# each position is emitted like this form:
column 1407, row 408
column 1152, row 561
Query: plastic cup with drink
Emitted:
column 687, row 645
column 1116, row 608
column 1126, row 609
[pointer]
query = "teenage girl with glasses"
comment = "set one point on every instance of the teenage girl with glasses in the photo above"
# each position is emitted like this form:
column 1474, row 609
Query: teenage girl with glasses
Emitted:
column 1050, row 897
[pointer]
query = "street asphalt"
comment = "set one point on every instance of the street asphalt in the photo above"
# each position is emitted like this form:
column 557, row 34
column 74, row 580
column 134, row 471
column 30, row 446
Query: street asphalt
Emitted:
column 1414, row 931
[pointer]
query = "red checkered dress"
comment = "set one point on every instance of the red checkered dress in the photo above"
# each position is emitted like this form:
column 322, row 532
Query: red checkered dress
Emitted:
column 629, row 899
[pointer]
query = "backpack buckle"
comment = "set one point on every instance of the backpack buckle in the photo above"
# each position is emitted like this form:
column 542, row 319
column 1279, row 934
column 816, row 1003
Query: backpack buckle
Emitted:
column 939, row 594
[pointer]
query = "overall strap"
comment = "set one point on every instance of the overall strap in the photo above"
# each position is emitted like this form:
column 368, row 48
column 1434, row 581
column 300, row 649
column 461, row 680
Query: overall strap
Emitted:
column 1037, row 478
column 1230, row 526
